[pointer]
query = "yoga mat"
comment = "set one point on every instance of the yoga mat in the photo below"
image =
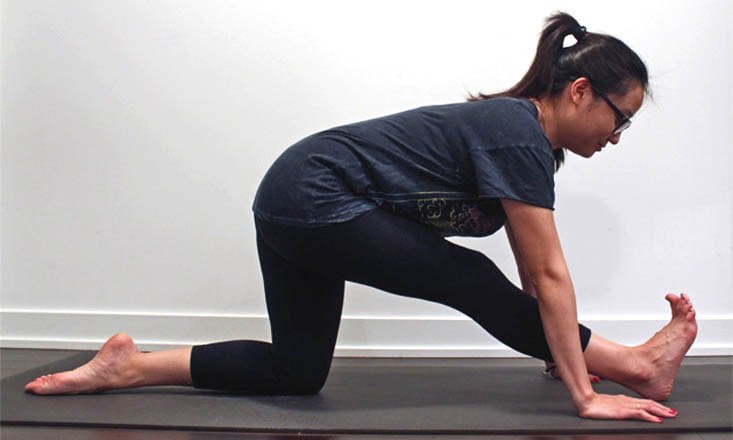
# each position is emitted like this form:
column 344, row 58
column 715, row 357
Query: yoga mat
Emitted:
column 373, row 396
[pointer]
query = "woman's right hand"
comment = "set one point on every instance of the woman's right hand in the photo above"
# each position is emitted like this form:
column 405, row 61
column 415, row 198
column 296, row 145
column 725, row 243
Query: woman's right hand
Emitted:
column 618, row 407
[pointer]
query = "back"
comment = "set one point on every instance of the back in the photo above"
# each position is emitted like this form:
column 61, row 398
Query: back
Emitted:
column 444, row 165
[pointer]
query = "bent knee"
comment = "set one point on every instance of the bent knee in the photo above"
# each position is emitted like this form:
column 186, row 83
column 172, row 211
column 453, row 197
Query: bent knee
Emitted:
column 301, row 376
column 302, row 384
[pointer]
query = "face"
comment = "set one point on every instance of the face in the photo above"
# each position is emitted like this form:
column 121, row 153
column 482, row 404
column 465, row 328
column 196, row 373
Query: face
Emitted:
column 591, row 119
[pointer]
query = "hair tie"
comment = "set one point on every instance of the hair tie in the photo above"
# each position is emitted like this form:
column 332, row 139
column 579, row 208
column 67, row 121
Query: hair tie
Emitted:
column 581, row 32
column 574, row 37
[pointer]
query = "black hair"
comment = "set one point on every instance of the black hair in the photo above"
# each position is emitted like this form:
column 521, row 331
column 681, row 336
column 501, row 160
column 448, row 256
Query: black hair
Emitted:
column 610, row 65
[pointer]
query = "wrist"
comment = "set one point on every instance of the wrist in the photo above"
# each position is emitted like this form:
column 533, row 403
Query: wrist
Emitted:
column 584, row 399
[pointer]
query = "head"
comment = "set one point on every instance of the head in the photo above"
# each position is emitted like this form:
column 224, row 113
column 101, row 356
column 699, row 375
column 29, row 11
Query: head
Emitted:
column 585, row 119
column 583, row 82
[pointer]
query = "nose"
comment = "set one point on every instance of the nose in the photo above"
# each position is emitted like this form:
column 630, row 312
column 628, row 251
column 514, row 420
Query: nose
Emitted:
column 614, row 138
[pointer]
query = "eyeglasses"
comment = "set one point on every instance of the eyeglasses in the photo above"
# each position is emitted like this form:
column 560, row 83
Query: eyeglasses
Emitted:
column 622, row 121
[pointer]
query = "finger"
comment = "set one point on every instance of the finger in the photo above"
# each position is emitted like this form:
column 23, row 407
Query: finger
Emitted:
column 667, row 413
column 658, row 409
column 651, row 418
column 640, row 413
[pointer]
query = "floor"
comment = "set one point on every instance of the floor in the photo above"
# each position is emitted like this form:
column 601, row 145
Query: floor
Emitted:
column 13, row 361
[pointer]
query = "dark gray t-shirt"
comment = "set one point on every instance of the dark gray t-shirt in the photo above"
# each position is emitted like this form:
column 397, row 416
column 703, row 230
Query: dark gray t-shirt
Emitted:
column 444, row 165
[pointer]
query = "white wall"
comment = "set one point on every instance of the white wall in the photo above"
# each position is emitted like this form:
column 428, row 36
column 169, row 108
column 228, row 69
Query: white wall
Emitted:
column 134, row 134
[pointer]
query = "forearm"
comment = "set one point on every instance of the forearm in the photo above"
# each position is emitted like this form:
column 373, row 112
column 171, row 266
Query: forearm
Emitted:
column 556, row 300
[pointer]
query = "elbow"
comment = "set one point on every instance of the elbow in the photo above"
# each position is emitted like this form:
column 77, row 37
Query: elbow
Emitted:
column 550, row 276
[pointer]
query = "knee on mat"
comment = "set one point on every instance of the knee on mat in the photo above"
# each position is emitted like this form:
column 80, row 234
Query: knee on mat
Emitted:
column 299, row 379
column 300, row 385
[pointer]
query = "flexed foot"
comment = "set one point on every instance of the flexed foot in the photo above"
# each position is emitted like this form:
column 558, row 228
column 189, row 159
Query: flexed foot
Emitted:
column 662, row 354
column 110, row 368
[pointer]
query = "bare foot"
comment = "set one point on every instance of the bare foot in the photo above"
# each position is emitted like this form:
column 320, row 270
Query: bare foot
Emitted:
column 108, row 369
column 662, row 354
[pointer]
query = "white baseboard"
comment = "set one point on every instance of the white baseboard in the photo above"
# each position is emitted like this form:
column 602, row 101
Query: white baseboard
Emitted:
column 359, row 336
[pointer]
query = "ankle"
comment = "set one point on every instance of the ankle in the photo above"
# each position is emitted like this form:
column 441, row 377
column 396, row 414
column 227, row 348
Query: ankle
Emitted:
column 131, row 374
column 639, row 370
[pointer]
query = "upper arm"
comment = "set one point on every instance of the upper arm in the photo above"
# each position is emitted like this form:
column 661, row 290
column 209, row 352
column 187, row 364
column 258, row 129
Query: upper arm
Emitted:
column 524, row 277
column 535, row 237
column 515, row 249
column 512, row 242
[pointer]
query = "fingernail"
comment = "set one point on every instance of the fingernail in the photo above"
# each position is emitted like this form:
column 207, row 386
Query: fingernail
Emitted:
column 659, row 419
column 673, row 411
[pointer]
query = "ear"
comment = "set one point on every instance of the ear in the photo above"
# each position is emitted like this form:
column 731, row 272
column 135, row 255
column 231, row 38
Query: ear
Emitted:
column 579, row 90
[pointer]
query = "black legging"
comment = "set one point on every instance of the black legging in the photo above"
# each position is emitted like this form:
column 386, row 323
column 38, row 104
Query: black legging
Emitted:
column 304, row 271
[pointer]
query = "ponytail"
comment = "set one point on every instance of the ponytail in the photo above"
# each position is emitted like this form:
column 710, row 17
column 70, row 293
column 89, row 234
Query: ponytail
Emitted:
column 610, row 65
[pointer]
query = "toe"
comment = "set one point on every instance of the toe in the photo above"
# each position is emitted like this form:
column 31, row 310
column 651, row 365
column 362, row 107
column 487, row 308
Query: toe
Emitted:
column 685, row 307
column 686, row 298
column 682, row 308
column 673, row 300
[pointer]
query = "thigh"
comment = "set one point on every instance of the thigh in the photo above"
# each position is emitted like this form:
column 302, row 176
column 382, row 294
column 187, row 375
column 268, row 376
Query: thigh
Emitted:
column 304, row 308
column 392, row 253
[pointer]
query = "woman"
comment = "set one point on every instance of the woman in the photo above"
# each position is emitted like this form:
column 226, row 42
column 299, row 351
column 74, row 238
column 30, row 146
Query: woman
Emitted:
column 371, row 203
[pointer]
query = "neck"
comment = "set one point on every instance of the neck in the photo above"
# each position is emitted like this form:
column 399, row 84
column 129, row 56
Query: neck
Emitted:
column 547, row 117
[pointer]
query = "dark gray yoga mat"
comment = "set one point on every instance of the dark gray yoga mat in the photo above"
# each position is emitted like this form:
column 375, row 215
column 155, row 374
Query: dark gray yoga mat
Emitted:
column 387, row 396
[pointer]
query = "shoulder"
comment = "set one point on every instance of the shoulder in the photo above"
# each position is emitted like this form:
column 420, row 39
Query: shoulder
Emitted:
column 503, row 123
column 503, row 107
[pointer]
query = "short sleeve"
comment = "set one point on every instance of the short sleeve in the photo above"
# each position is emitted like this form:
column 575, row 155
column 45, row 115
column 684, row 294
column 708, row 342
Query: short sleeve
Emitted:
column 523, row 173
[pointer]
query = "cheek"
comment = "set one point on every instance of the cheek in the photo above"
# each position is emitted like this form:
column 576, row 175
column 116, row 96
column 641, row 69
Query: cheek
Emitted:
column 597, row 131
column 605, row 126
column 590, row 134
column 586, row 132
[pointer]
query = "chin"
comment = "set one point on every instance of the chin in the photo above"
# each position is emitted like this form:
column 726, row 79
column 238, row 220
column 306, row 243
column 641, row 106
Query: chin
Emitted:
column 585, row 154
